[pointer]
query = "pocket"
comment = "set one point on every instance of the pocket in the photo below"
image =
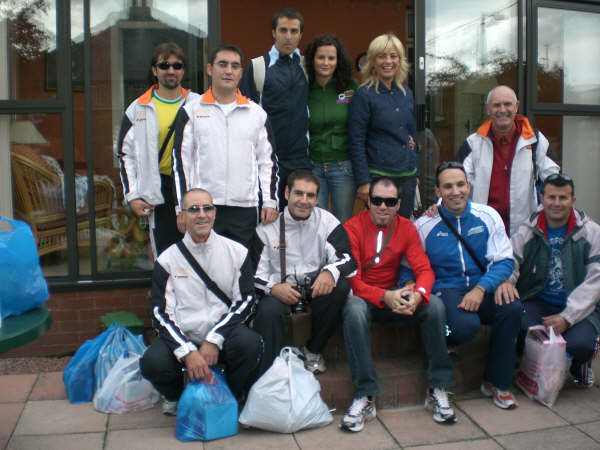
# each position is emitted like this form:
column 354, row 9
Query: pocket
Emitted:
column 346, row 168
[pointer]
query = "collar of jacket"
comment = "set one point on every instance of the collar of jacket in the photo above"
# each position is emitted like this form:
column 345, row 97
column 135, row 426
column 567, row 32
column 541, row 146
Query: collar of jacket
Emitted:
column 289, row 219
column 208, row 97
column 541, row 223
column 526, row 129
column 199, row 247
column 146, row 97
column 448, row 215
column 274, row 55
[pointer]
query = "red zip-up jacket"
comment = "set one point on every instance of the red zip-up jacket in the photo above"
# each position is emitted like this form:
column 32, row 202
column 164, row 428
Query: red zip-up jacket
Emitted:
column 373, row 282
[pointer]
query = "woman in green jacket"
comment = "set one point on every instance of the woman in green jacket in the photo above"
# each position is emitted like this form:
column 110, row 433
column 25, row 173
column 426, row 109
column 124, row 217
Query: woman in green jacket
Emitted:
column 331, row 86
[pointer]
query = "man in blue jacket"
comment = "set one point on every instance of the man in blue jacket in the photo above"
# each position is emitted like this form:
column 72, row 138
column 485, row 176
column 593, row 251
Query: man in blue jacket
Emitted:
column 277, row 82
column 468, row 271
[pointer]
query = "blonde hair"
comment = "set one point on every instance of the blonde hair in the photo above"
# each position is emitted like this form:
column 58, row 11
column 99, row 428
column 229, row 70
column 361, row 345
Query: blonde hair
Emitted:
column 377, row 46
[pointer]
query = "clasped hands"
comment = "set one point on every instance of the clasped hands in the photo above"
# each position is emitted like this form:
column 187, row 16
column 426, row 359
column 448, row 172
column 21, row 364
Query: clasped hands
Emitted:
column 403, row 300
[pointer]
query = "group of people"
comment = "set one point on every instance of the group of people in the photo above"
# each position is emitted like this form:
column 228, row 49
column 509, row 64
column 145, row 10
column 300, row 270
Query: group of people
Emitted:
column 237, row 183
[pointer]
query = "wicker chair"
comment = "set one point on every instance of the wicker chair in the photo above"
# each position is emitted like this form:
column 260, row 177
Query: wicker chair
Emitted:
column 38, row 200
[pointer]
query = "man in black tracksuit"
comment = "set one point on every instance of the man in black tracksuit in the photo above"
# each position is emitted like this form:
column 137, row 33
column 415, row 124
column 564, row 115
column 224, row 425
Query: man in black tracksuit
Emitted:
column 282, row 91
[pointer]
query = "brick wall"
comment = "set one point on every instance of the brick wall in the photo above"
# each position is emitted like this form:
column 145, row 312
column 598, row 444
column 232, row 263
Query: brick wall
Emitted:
column 76, row 317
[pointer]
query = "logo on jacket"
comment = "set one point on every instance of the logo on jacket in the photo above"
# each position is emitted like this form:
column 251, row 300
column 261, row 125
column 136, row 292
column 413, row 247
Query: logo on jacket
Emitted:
column 202, row 114
column 441, row 234
column 476, row 230
column 276, row 245
column 345, row 97
column 140, row 115
column 180, row 272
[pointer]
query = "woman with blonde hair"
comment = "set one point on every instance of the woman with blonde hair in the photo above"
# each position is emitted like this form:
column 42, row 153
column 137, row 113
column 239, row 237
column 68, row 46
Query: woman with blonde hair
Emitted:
column 381, row 125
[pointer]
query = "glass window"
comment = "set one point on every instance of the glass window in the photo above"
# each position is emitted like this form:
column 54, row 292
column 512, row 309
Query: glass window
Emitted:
column 566, row 70
column 123, row 36
column 28, row 49
column 38, row 185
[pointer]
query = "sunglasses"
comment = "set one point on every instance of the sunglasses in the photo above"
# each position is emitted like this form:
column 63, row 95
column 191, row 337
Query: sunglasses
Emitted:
column 224, row 64
column 559, row 176
column 164, row 65
column 450, row 165
column 195, row 209
column 389, row 201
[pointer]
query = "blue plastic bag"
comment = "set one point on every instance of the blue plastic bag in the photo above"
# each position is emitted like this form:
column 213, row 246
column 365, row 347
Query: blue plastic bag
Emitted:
column 206, row 411
column 23, row 285
column 78, row 376
column 119, row 341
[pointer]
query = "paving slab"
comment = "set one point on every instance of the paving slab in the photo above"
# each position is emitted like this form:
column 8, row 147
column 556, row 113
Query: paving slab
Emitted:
column 479, row 444
column 415, row 426
column 528, row 416
column 16, row 388
column 592, row 429
column 150, row 418
column 254, row 440
column 80, row 441
column 564, row 438
column 373, row 436
column 578, row 405
column 59, row 417
column 9, row 414
column 49, row 386
column 147, row 439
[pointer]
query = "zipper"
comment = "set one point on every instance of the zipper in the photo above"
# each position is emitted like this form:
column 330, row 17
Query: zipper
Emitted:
column 460, row 252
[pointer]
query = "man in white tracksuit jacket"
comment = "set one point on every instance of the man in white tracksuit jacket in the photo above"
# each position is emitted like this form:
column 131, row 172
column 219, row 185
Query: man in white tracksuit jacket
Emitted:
column 221, row 145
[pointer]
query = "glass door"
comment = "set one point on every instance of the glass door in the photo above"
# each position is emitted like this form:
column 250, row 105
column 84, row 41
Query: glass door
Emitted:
column 468, row 48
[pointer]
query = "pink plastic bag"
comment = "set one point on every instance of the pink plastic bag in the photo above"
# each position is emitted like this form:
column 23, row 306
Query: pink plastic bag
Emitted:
column 544, row 365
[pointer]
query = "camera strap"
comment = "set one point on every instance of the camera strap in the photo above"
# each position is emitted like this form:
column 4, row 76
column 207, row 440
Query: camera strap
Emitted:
column 210, row 284
column 376, row 258
column 463, row 242
column 282, row 246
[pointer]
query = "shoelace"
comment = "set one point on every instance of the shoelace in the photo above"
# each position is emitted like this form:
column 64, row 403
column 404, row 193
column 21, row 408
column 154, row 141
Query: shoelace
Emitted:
column 441, row 397
column 357, row 406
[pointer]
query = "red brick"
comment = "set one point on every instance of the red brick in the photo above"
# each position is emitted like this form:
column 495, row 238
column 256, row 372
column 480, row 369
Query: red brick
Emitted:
column 73, row 304
column 61, row 338
column 107, row 302
column 58, row 315
column 94, row 313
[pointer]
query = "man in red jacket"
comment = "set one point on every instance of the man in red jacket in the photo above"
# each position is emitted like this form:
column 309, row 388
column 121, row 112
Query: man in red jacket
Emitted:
column 380, row 238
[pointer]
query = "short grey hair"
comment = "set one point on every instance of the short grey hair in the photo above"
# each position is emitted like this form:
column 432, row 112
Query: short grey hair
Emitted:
column 183, row 203
column 487, row 99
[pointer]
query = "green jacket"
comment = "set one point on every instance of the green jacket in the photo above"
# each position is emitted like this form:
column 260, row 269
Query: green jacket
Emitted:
column 580, row 258
column 328, row 125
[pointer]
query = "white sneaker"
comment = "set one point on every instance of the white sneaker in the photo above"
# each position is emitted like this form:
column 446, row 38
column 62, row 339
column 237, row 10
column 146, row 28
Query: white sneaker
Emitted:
column 361, row 410
column 436, row 400
column 169, row 408
column 313, row 361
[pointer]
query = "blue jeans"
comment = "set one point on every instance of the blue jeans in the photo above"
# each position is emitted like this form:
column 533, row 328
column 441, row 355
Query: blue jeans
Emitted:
column 506, row 324
column 356, row 320
column 337, row 180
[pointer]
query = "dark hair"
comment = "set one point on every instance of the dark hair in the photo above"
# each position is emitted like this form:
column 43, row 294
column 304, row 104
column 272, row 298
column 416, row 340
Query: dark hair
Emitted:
column 559, row 180
column 385, row 181
column 163, row 51
column 448, row 165
column 302, row 174
column 342, row 75
column 289, row 13
column 225, row 48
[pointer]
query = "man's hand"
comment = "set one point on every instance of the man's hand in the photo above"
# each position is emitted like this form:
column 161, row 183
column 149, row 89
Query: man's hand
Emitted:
column 210, row 353
column 557, row 322
column 506, row 292
column 268, row 215
column 285, row 293
column 411, row 142
column 409, row 299
column 323, row 285
column 140, row 208
column 180, row 223
column 472, row 299
column 363, row 192
column 196, row 366
column 432, row 211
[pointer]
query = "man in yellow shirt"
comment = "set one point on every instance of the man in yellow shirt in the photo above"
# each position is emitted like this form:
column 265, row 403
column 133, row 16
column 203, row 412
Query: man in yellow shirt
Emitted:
column 146, row 143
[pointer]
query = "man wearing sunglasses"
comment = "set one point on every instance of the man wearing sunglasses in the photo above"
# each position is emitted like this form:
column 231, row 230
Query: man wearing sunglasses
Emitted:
column 222, row 146
column 198, row 326
column 505, row 158
column 557, row 274
column 471, row 255
column 145, row 144
column 380, row 239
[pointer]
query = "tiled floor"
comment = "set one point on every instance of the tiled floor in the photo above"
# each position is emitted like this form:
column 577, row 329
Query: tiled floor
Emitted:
column 35, row 414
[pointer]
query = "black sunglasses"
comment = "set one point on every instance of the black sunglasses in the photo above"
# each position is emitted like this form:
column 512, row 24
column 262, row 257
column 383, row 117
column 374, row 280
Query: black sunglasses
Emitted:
column 195, row 209
column 558, row 176
column 389, row 201
column 164, row 65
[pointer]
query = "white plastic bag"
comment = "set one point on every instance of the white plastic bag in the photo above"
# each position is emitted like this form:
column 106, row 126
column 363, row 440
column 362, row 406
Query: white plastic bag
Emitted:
column 124, row 389
column 286, row 398
column 543, row 366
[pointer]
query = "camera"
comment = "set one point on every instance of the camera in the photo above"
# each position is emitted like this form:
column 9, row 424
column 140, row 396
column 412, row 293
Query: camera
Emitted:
column 305, row 295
